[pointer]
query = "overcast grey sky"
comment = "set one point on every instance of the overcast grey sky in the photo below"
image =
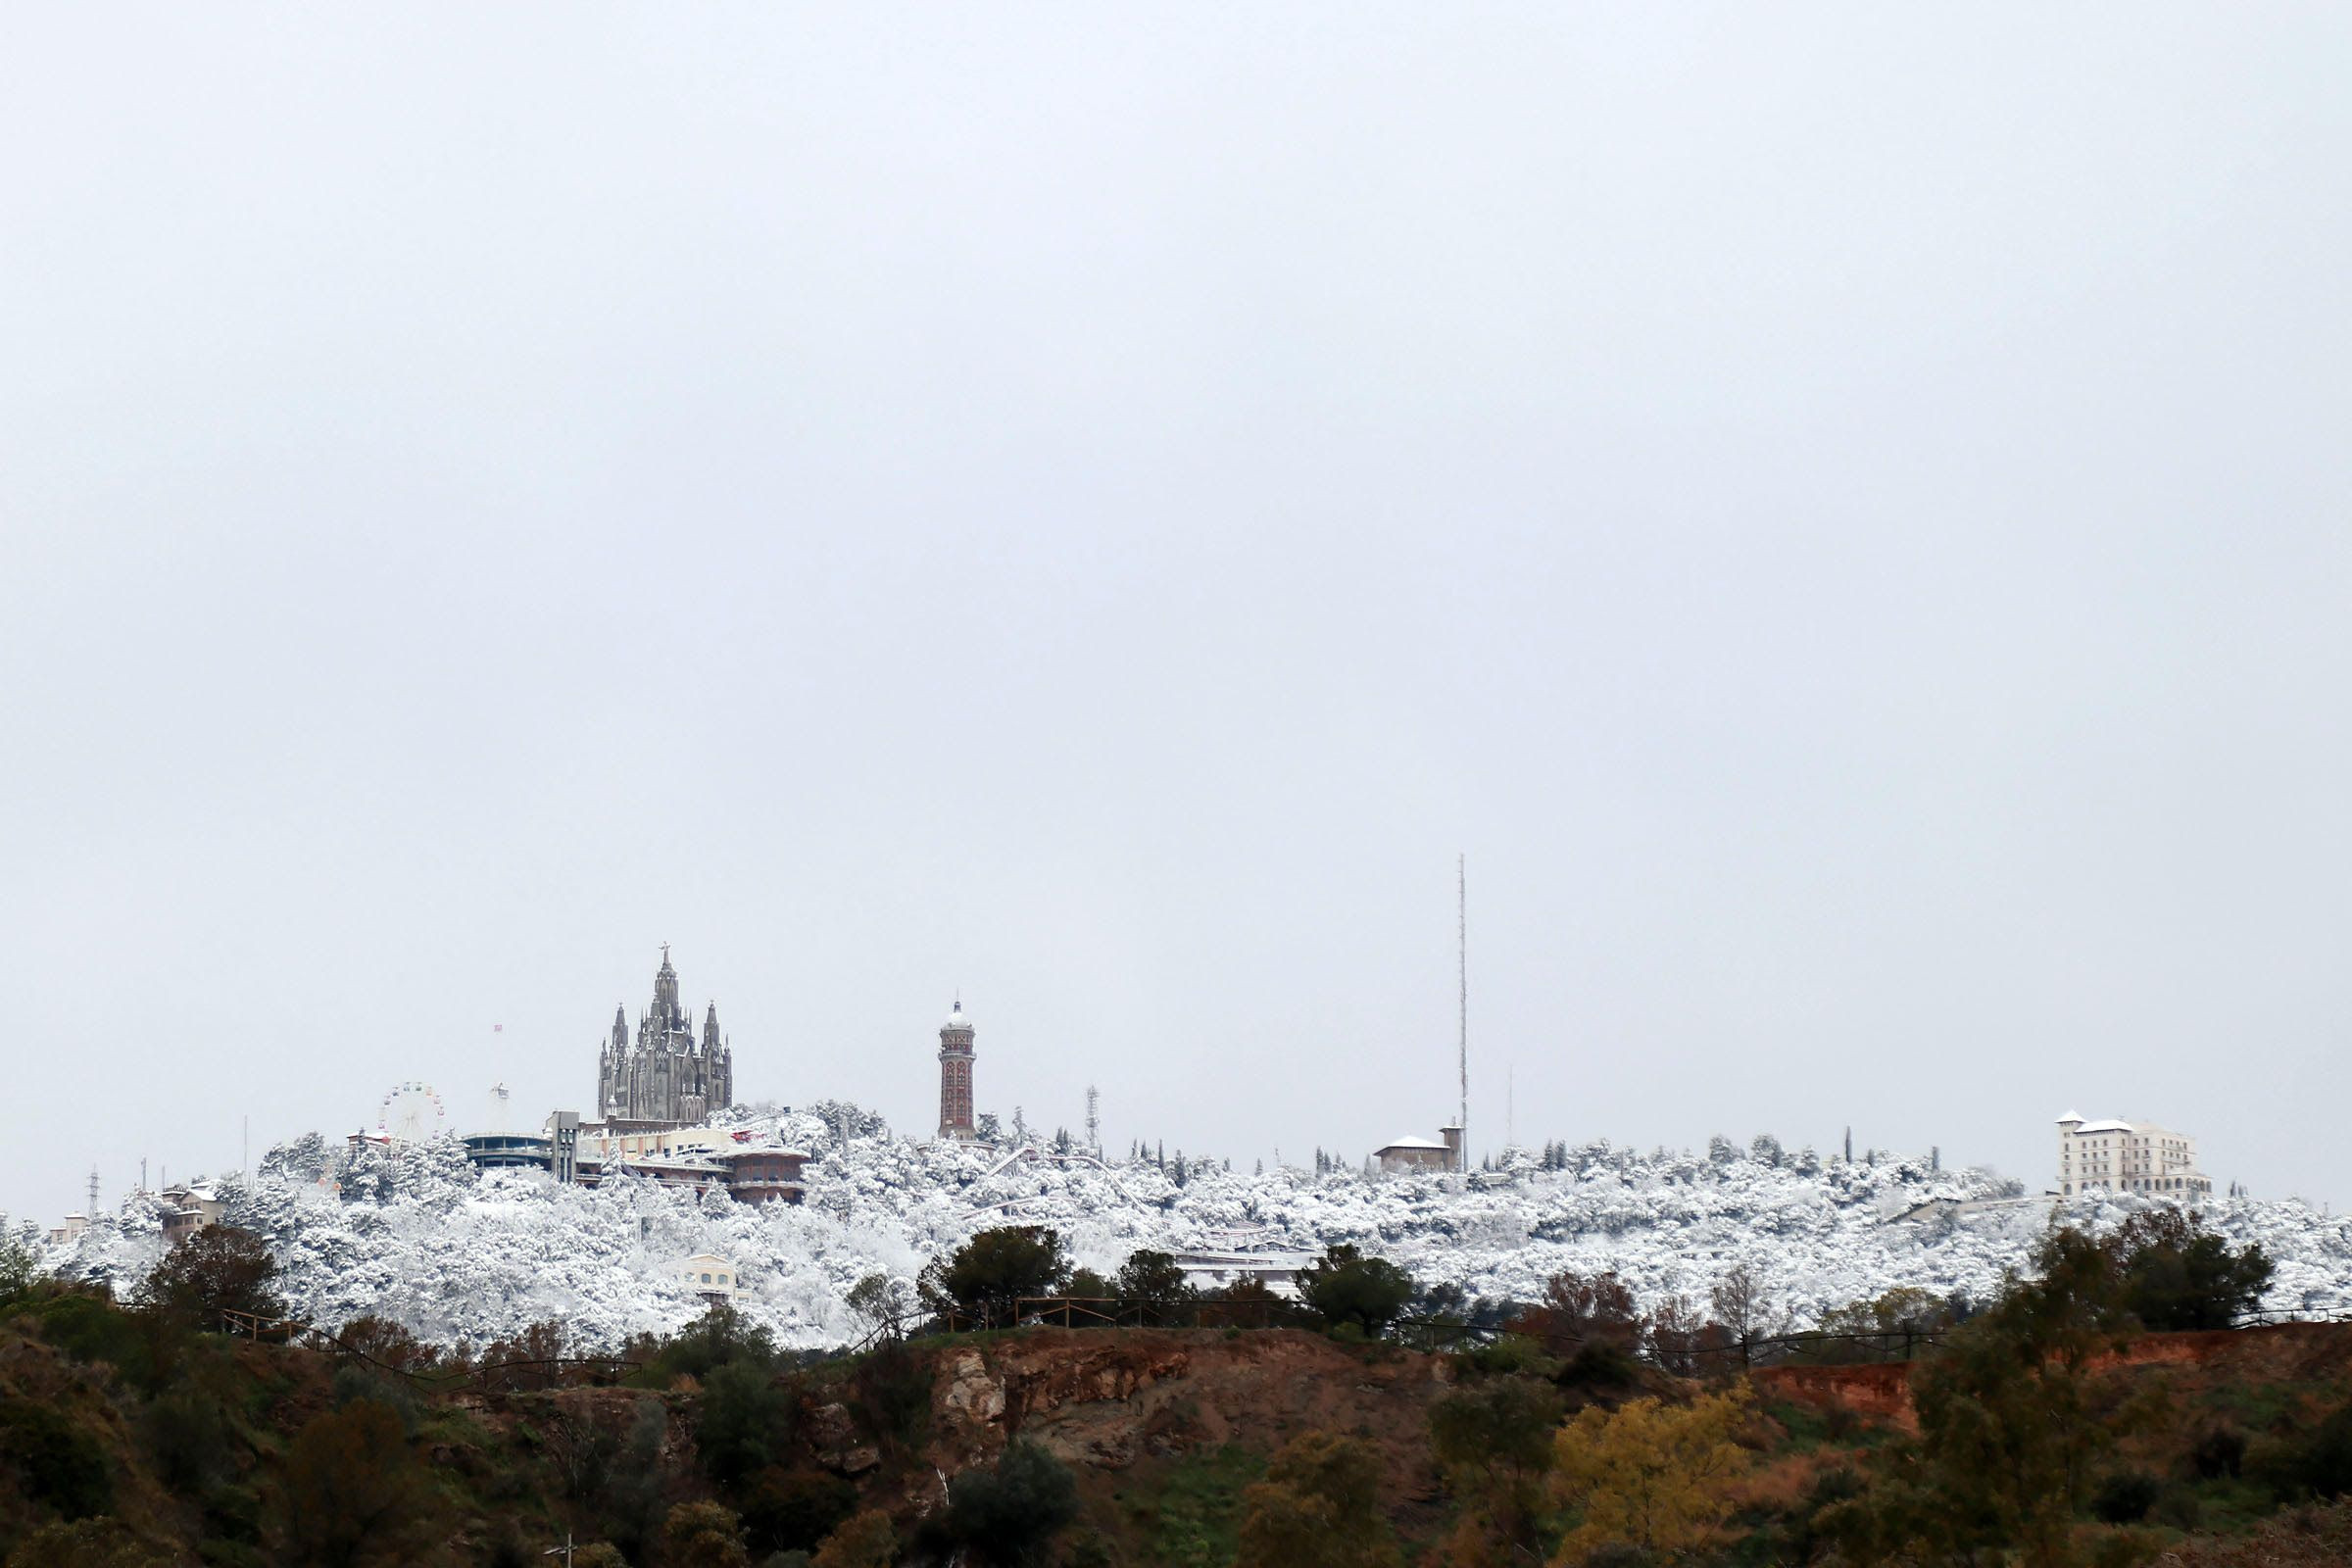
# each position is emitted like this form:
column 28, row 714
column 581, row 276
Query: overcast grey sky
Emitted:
column 1840, row 512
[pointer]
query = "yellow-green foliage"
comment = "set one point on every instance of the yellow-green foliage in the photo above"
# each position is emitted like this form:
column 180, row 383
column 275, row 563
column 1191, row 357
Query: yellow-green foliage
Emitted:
column 1320, row 1506
column 864, row 1541
column 702, row 1534
column 1650, row 1474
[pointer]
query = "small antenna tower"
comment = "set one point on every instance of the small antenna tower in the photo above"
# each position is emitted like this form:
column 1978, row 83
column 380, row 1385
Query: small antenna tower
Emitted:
column 92, row 1211
column 1094, row 1121
column 1461, row 928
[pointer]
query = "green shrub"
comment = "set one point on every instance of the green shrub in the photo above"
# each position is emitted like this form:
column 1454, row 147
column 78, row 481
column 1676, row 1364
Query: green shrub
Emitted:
column 1508, row 1354
column 233, row 1513
column 717, row 1338
column 189, row 1435
column 1600, row 1364
column 1010, row 1513
column 893, row 1403
column 2321, row 1464
column 2218, row 1452
column 794, row 1509
column 356, row 1381
column 743, row 1423
column 91, row 1328
column 2126, row 1497
column 702, row 1534
column 637, row 1493
column 57, row 1464
column 351, row 1487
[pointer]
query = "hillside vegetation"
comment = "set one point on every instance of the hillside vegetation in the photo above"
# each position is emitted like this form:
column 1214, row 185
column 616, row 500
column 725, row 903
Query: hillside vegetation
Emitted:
column 1380, row 1422
column 422, row 1239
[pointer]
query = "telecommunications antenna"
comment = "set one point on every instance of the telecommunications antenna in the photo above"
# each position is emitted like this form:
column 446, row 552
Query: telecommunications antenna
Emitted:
column 410, row 1114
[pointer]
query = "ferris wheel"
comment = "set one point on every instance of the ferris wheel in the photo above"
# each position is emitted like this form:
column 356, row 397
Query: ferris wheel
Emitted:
column 409, row 1114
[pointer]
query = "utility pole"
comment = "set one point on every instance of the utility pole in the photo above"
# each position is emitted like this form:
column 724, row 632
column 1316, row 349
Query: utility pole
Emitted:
column 1461, row 928
column 563, row 1552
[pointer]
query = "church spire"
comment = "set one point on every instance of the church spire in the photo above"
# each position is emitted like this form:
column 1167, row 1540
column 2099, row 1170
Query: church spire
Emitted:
column 667, row 1015
column 711, row 1028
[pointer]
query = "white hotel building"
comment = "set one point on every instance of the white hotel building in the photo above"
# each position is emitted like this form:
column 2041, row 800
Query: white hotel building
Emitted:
column 2127, row 1156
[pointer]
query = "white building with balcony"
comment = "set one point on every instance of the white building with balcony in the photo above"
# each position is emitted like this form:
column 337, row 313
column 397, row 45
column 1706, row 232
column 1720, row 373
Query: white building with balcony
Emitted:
column 2127, row 1156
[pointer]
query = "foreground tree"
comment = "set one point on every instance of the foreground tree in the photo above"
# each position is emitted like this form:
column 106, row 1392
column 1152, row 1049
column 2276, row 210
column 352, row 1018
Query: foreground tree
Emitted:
column 352, row 1491
column 985, row 1278
column 1319, row 1506
column 2010, row 1427
column 878, row 1301
column 1741, row 1304
column 1648, row 1473
column 1895, row 1326
column 217, row 1270
column 744, row 1422
column 1347, row 1288
column 1154, row 1283
column 2177, row 1275
column 1492, row 1441
column 1580, row 1310
column 1010, row 1513
column 19, row 1269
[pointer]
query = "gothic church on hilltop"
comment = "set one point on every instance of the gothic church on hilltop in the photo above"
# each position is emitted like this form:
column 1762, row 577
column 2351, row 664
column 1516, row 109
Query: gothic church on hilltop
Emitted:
column 666, row 1078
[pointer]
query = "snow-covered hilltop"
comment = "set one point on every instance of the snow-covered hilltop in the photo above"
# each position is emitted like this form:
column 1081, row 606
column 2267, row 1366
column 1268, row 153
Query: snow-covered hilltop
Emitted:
column 456, row 1254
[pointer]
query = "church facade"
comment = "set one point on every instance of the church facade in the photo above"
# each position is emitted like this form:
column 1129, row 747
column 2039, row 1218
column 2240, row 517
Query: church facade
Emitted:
column 664, row 1077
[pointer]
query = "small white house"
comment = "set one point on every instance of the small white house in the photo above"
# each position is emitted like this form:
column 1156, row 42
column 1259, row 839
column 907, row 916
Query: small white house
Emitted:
column 1410, row 1153
column 712, row 1277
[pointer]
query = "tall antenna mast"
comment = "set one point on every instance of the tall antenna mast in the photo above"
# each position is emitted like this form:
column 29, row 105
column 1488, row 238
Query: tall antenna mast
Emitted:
column 93, row 1215
column 1094, row 1122
column 1461, row 931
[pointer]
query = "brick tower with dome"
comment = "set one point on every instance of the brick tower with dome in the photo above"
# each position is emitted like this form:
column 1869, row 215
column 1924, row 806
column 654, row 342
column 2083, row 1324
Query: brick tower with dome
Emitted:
column 956, row 1077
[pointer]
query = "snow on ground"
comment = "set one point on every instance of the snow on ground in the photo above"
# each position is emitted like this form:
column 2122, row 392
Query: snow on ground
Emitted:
column 459, row 1255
